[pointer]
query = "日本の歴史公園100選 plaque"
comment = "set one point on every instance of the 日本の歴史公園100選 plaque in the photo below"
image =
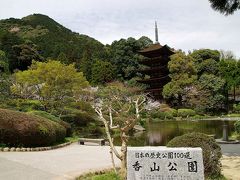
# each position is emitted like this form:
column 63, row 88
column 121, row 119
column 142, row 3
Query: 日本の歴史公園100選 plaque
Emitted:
column 161, row 163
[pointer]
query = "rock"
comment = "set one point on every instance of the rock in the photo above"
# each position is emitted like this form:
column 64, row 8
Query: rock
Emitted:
column 6, row 149
column 12, row 149
column 18, row 149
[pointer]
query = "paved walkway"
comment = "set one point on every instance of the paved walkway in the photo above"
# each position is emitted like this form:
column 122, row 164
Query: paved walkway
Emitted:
column 65, row 163
column 230, row 149
column 71, row 161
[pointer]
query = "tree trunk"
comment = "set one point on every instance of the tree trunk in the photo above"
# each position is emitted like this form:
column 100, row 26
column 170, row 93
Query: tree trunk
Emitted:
column 234, row 94
column 123, row 170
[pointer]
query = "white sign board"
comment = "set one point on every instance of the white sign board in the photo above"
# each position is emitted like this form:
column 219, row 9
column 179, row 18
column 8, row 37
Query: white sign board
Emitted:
column 161, row 163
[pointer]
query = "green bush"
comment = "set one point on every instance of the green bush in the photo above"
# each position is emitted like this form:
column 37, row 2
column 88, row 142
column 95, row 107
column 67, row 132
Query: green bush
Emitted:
column 186, row 113
column 170, row 114
column 51, row 117
column 211, row 150
column 236, row 108
column 83, row 106
column 21, row 129
column 107, row 176
column 77, row 117
column 237, row 126
column 25, row 105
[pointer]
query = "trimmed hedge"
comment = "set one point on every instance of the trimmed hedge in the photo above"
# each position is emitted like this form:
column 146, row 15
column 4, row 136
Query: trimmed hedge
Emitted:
column 211, row 151
column 21, row 129
column 167, row 113
column 51, row 117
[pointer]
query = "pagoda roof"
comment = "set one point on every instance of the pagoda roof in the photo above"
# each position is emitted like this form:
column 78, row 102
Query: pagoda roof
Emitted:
column 156, row 50
column 155, row 60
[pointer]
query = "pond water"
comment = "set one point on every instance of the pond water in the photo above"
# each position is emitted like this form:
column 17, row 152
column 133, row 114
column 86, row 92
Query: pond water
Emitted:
column 161, row 132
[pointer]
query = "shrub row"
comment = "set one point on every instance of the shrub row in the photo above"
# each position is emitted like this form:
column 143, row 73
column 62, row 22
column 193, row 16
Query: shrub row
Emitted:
column 169, row 113
column 20, row 129
column 13, row 149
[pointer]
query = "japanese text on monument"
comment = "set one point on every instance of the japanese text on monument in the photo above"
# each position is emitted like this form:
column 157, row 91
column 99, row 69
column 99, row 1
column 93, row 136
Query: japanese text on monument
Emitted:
column 160, row 163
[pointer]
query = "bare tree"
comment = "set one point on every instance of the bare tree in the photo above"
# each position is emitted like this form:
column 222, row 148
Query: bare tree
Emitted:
column 120, row 109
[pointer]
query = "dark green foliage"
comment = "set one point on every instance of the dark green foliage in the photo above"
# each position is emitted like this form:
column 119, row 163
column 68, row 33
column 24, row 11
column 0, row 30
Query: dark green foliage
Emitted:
column 20, row 129
column 209, row 94
column 4, row 64
column 102, row 72
column 77, row 117
column 25, row 105
column 86, row 64
column 170, row 114
column 23, row 56
column 83, row 106
column 211, row 150
column 124, row 56
column 185, row 113
column 225, row 7
column 5, row 91
column 237, row 126
column 236, row 108
column 183, row 75
column 203, row 54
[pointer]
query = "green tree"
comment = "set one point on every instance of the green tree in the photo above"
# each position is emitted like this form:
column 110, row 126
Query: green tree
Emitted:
column 226, row 7
column 52, row 83
column 125, row 57
column 86, row 64
column 102, row 72
column 4, row 78
column 207, row 95
column 23, row 56
column 63, row 58
column 4, row 67
column 230, row 71
column 206, row 60
column 183, row 74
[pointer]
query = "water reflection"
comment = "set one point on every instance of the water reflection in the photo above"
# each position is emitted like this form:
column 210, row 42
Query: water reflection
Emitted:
column 160, row 133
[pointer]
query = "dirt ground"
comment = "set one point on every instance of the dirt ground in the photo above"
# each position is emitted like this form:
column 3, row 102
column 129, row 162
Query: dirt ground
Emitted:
column 231, row 167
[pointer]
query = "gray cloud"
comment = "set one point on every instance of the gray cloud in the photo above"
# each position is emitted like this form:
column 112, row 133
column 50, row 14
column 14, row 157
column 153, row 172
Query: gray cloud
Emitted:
column 187, row 25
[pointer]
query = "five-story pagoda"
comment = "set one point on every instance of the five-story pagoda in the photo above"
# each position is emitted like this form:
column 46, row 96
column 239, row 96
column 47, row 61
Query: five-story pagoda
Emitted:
column 156, row 58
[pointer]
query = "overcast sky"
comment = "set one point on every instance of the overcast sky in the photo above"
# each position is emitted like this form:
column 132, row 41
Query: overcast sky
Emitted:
column 182, row 24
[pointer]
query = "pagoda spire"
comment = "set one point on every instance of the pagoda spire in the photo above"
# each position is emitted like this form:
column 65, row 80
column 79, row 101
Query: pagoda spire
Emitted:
column 156, row 33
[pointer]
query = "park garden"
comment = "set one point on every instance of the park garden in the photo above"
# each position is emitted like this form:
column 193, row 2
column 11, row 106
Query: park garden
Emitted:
column 53, row 92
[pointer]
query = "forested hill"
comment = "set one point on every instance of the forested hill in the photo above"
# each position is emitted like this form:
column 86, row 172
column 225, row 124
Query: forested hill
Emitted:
column 41, row 37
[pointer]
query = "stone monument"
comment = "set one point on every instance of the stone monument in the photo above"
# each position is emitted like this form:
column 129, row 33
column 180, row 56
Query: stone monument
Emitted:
column 162, row 163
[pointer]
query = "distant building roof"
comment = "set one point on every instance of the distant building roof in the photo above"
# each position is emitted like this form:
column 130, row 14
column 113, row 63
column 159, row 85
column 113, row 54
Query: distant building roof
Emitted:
column 155, row 50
